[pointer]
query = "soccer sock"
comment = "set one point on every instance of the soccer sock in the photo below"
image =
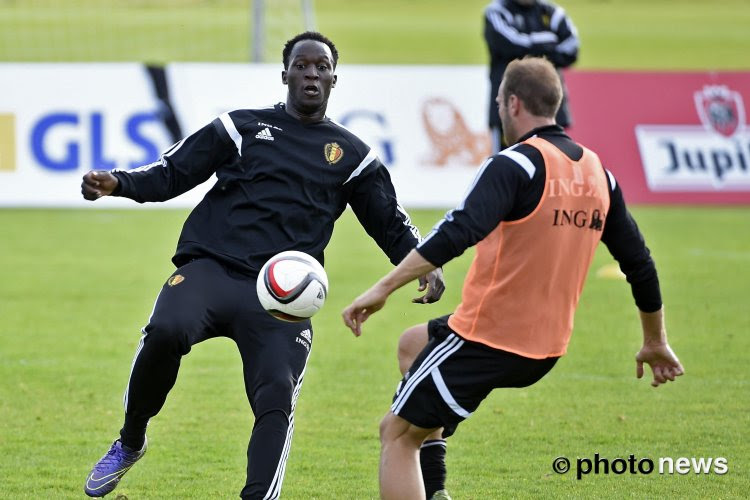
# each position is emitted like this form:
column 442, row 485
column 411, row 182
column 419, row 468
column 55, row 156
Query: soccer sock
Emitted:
column 133, row 433
column 432, row 461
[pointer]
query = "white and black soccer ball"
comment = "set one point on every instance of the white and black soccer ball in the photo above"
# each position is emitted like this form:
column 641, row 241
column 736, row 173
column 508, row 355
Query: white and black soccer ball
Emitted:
column 292, row 286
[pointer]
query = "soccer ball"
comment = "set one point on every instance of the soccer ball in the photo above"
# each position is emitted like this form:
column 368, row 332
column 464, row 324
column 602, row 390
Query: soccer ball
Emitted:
column 292, row 286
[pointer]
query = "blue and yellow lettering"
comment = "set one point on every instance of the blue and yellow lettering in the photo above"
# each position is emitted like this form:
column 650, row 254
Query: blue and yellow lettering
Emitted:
column 385, row 144
column 98, row 162
column 72, row 150
column 132, row 128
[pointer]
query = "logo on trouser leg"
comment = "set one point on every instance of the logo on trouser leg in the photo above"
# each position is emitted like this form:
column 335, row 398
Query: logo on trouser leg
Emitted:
column 304, row 338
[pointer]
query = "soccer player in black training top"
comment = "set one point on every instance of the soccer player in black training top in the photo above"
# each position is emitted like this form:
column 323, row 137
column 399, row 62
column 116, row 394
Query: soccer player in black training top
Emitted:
column 285, row 174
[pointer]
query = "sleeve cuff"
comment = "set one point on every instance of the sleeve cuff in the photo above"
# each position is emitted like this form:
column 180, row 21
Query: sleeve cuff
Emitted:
column 120, row 181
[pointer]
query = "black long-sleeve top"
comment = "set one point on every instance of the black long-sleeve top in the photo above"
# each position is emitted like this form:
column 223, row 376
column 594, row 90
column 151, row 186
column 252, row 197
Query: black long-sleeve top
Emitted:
column 281, row 185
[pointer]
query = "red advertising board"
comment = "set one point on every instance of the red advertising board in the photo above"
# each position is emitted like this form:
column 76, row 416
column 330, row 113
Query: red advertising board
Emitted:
column 667, row 137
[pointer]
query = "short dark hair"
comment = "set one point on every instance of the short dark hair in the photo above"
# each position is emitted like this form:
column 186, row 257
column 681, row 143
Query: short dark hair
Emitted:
column 534, row 80
column 308, row 35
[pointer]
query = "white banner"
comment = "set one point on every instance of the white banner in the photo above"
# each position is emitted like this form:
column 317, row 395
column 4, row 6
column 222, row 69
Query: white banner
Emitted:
column 60, row 120
column 57, row 121
column 690, row 158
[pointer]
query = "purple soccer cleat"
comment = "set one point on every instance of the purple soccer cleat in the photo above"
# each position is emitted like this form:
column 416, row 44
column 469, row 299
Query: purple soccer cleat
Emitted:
column 110, row 468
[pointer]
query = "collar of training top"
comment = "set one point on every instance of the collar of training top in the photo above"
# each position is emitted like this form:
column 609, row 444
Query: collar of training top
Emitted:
column 545, row 130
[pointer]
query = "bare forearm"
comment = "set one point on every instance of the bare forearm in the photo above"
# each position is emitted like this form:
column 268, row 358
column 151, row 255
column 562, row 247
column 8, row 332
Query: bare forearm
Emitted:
column 371, row 301
column 656, row 351
column 654, row 331
column 409, row 269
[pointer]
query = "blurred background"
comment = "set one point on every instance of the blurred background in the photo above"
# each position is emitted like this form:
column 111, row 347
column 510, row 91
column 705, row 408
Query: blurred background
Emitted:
column 615, row 34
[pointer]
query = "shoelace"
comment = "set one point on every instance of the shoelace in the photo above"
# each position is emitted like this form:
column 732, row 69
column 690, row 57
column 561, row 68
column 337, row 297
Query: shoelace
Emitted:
column 110, row 459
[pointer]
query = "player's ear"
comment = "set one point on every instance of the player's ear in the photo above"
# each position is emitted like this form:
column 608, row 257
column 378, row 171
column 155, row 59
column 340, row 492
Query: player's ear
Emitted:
column 514, row 104
column 335, row 79
column 283, row 77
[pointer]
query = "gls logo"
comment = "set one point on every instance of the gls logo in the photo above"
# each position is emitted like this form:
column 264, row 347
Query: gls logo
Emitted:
column 78, row 130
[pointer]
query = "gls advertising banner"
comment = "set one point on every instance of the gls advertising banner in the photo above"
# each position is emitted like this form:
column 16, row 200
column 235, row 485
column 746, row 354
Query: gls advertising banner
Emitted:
column 59, row 120
column 668, row 137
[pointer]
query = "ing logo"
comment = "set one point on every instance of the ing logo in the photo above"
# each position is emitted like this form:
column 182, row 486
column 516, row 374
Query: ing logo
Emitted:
column 7, row 142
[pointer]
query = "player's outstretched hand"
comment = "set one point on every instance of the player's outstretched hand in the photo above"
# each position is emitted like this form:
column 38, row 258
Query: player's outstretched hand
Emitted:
column 98, row 183
column 434, row 284
column 363, row 307
column 664, row 364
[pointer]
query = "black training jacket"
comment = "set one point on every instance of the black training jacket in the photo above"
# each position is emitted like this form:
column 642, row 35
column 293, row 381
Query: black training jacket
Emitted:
column 281, row 185
column 512, row 31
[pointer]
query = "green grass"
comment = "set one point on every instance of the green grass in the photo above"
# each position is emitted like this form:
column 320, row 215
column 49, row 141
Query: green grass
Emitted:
column 78, row 284
column 615, row 34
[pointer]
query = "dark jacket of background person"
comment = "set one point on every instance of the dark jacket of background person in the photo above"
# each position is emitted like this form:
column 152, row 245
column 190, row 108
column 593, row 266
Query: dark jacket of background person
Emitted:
column 513, row 30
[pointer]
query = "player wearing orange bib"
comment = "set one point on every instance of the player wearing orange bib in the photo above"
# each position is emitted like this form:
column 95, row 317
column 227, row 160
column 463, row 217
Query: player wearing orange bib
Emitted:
column 536, row 212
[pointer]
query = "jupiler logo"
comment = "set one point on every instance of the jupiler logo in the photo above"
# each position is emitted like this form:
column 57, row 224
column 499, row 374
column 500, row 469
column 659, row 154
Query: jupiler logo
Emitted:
column 721, row 110
column 713, row 156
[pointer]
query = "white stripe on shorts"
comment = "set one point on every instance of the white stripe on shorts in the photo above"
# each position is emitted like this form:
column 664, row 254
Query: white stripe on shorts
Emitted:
column 447, row 396
column 451, row 344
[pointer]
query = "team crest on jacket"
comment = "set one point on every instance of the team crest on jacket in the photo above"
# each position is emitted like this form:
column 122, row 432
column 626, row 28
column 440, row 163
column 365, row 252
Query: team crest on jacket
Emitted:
column 175, row 280
column 333, row 152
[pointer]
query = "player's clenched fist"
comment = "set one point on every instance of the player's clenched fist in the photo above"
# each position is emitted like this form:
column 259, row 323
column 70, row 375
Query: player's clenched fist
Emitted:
column 98, row 183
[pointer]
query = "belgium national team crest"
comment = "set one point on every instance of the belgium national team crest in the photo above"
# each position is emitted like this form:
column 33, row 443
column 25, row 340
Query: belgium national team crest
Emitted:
column 333, row 152
column 175, row 280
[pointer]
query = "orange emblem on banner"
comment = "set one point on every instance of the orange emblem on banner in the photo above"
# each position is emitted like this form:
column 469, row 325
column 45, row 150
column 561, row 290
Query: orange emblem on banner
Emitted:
column 452, row 139
column 333, row 152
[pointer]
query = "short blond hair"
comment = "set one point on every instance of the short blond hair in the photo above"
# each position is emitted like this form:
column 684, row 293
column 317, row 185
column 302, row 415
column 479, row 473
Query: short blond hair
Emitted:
column 534, row 80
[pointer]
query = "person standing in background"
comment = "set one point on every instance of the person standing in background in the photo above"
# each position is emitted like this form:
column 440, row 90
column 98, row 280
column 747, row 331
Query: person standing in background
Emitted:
column 517, row 28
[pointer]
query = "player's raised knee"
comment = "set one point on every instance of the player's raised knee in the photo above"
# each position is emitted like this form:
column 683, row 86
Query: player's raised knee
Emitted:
column 167, row 336
column 275, row 394
column 393, row 427
column 410, row 344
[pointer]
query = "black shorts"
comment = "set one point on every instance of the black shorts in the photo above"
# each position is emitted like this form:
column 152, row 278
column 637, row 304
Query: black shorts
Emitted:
column 451, row 376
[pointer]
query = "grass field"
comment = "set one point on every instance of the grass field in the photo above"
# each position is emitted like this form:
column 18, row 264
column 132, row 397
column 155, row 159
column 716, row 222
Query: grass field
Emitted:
column 615, row 34
column 77, row 285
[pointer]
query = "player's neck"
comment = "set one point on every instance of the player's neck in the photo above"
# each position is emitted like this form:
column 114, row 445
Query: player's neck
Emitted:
column 531, row 122
column 305, row 116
